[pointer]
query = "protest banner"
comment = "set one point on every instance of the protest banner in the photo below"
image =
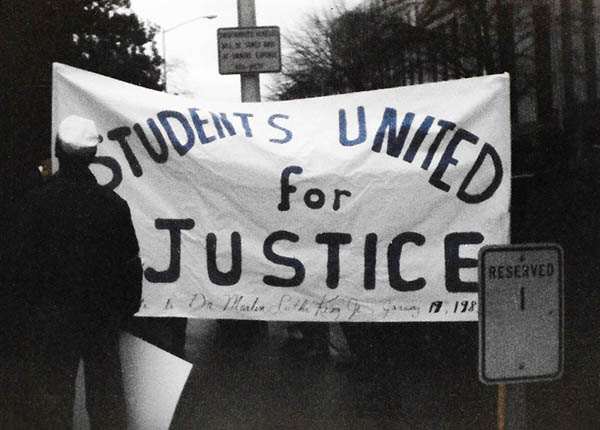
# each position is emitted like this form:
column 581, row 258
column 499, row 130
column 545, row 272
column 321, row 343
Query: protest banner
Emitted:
column 368, row 206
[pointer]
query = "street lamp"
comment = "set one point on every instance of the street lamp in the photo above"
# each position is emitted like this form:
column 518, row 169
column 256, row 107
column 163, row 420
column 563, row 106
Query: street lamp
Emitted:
column 164, row 43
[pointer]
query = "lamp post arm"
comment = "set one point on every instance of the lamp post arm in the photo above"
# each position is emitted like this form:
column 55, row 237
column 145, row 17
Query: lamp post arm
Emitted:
column 189, row 21
column 164, row 41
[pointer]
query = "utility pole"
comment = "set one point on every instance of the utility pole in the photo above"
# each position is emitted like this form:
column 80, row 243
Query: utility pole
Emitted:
column 241, row 332
column 250, row 82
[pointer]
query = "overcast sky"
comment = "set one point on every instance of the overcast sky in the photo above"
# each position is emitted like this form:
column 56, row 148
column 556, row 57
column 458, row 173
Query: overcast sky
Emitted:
column 191, row 49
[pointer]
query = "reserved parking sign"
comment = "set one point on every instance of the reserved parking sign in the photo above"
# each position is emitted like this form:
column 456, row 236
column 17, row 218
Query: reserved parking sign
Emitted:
column 520, row 313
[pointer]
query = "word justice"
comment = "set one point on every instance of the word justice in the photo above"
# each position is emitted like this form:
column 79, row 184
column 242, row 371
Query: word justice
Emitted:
column 332, row 242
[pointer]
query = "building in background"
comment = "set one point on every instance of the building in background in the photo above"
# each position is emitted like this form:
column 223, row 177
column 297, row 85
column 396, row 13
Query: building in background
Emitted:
column 548, row 46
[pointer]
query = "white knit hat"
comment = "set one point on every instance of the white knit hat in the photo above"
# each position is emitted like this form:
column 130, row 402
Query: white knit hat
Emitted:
column 78, row 135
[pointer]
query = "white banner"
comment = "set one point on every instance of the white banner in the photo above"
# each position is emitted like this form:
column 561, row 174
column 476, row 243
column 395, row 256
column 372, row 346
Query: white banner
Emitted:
column 369, row 206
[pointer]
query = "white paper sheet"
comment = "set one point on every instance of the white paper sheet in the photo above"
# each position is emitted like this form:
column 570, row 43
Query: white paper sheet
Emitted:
column 153, row 381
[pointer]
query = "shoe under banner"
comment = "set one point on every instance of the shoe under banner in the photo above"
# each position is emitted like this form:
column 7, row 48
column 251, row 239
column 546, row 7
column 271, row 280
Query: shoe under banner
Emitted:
column 368, row 206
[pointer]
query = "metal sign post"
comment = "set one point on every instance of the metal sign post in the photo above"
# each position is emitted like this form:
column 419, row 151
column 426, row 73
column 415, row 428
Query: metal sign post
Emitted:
column 520, row 322
column 243, row 331
column 250, row 82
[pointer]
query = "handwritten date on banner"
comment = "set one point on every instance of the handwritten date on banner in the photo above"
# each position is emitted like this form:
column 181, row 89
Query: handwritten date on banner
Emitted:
column 327, row 307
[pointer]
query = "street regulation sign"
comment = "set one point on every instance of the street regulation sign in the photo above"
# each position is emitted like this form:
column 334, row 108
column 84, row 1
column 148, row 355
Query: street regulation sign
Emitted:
column 520, row 313
column 249, row 50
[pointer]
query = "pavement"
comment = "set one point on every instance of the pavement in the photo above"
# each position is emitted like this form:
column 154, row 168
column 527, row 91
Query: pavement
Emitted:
column 417, row 375
column 263, row 386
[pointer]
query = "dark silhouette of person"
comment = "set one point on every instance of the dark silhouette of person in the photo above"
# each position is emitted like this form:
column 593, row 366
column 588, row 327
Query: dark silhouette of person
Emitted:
column 71, row 275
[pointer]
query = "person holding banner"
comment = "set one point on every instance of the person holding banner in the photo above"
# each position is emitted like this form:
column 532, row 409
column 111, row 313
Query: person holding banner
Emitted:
column 73, row 275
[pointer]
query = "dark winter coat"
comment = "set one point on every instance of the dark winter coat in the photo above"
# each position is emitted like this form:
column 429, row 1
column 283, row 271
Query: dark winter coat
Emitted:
column 69, row 259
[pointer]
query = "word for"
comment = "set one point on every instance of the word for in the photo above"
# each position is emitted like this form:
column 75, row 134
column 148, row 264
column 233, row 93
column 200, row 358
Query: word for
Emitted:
column 332, row 241
column 314, row 198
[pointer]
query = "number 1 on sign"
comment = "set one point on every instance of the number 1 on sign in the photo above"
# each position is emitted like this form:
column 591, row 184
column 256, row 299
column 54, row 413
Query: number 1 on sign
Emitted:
column 522, row 298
